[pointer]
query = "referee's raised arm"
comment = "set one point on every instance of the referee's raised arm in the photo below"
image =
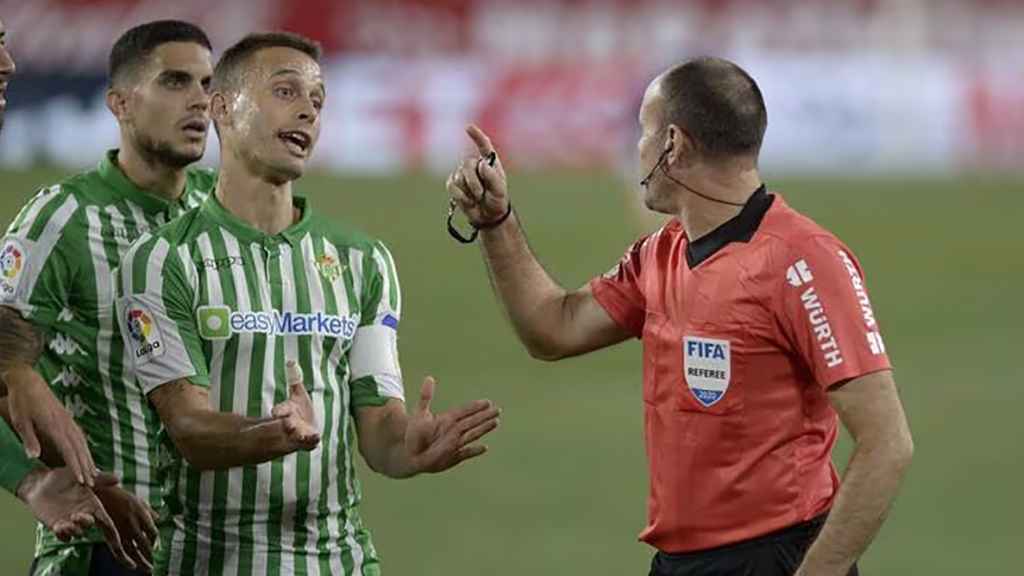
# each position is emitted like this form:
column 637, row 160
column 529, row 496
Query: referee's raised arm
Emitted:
column 551, row 321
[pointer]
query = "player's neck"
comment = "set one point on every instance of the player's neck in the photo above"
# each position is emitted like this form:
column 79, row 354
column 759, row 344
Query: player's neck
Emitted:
column 700, row 216
column 157, row 179
column 265, row 206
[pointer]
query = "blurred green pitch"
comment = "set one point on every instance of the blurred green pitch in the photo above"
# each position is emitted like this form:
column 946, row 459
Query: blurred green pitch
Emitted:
column 563, row 488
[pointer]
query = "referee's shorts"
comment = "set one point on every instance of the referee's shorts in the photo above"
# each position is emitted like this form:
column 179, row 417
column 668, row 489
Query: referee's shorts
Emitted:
column 775, row 554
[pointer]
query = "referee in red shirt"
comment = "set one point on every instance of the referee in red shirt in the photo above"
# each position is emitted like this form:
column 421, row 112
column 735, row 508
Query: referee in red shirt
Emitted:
column 758, row 337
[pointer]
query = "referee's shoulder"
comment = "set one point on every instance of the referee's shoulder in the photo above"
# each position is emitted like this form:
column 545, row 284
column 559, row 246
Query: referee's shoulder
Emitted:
column 789, row 232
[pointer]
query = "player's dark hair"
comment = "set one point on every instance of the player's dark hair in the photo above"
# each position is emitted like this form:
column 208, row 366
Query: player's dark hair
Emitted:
column 227, row 73
column 135, row 45
column 718, row 104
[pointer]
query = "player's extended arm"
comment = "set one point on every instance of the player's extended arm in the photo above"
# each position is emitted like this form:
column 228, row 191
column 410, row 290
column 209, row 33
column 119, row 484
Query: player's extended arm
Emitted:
column 54, row 498
column 213, row 440
column 870, row 408
column 399, row 445
column 552, row 322
column 34, row 410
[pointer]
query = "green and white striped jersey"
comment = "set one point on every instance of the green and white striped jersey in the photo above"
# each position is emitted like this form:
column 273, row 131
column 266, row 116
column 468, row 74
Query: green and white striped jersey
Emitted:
column 211, row 299
column 56, row 268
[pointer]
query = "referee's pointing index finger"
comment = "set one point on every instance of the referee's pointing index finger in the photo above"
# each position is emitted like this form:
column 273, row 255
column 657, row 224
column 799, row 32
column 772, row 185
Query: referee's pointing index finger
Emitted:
column 483, row 143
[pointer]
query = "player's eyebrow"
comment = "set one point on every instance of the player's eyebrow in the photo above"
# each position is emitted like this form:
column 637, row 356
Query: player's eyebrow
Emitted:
column 176, row 74
column 293, row 71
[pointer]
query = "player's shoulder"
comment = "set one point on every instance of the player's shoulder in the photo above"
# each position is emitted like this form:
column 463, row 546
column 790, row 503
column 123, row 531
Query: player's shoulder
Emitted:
column 86, row 188
column 55, row 207
column 344, row 235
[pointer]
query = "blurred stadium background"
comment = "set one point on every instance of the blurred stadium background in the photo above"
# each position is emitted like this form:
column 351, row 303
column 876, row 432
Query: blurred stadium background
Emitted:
column 899, row 124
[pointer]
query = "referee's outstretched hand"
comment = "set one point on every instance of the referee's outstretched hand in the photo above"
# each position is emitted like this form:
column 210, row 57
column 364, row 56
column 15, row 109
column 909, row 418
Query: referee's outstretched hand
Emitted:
column 478, row 185
column 437, row 442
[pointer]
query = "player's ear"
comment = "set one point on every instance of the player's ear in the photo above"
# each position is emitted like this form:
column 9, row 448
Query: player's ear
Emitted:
column 219, row 108
column 117, row 103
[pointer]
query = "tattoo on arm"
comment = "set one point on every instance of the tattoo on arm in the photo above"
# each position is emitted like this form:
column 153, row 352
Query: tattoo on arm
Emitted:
column 21, row 342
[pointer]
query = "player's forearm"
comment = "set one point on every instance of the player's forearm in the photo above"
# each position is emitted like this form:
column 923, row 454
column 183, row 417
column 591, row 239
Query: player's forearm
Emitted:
column 872, row 479
column 211, row 440
column 15, row 465
column 48, row 453
column 21, row 344
column 383, row 447
column 534, row 302
column 393, row 461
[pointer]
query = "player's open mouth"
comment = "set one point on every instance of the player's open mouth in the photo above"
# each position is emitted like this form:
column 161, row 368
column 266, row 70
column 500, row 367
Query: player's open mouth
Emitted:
column 195, row 128
column 297, row 142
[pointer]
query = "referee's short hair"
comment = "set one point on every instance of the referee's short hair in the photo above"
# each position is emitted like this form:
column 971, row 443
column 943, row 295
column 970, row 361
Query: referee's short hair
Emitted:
column 227, row 74
column 135, row 45
column 718, row 104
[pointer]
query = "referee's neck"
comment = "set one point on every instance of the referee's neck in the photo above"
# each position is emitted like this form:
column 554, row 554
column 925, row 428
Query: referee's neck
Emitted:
column 701, row 215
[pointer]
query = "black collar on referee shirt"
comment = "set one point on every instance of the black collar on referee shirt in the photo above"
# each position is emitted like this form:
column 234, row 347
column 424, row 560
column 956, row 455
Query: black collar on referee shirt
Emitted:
column 739, row 228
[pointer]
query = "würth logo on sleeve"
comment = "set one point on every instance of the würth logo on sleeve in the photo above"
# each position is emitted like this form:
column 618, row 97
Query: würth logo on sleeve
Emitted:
column 799, row 274
column 874, row 336
column 707, row 365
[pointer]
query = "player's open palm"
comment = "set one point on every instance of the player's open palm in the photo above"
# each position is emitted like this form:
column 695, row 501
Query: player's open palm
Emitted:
column 135, row 521
column 297, row 412
column 69, row 509
column 437, row 442
column 477, row 185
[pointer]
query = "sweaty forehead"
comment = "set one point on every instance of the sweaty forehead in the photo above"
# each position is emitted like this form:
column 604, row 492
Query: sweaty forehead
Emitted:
column 281, row 61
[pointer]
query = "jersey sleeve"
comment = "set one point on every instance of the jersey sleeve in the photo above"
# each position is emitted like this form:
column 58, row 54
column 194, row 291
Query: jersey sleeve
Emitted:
column 826, row 313
column 36, row 263
column 619, row 291
column 376, row 374
column 14, row 463
column 155, row 316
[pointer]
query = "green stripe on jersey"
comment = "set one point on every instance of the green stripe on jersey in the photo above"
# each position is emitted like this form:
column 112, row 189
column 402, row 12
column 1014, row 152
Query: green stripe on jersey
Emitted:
column 69, row 238
column 247, row 302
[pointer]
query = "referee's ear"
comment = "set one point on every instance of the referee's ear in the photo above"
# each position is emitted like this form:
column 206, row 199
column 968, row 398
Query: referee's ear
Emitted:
column 679, row 146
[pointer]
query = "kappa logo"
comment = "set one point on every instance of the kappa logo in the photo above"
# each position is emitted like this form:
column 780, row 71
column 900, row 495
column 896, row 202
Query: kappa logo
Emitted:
column 147, row 343
column 12, row 262
column 707, row 365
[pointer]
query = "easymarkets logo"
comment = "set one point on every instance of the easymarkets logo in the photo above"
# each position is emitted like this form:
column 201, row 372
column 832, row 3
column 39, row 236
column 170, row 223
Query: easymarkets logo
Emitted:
column 220, row 323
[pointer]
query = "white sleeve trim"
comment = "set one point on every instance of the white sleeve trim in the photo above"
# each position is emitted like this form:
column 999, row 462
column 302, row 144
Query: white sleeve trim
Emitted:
column 375, row 353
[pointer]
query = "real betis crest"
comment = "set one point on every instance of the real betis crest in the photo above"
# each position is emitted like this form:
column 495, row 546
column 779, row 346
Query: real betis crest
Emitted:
column 329, row 267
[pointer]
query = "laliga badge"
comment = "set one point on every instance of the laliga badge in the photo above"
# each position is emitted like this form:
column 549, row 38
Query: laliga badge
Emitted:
column 146, row 343
column 706, row 367
column 12, row 262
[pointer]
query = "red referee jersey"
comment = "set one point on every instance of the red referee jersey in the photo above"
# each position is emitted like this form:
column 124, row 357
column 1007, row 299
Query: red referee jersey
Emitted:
column 743, row 333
